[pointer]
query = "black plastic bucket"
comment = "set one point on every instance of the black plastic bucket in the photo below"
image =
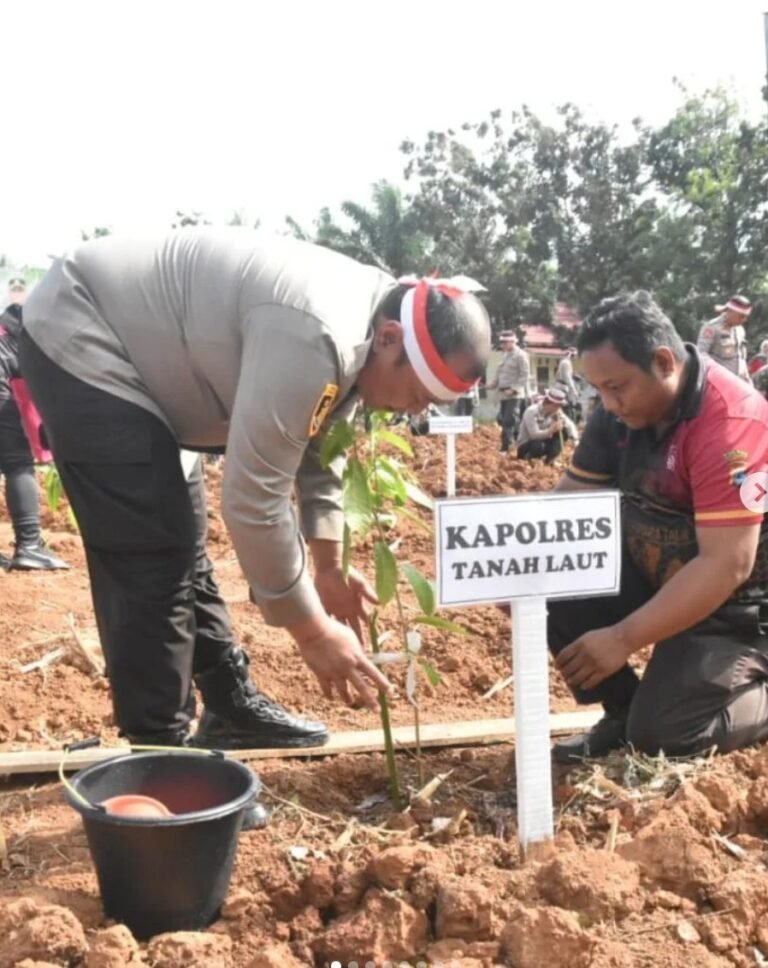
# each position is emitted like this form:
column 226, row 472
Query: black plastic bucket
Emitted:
column 165, row 873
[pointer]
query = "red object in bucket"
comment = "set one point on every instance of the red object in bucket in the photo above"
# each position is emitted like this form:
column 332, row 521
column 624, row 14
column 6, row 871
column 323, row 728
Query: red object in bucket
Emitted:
column 136, row 805
column 30, row 420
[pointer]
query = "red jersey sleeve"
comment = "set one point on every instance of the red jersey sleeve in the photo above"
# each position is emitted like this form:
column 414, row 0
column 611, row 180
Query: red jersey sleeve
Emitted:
column 721, row 453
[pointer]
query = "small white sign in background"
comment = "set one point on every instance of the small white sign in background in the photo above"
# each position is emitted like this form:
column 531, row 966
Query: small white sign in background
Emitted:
column 496, row 549
column 450, row 425
column 523, row 550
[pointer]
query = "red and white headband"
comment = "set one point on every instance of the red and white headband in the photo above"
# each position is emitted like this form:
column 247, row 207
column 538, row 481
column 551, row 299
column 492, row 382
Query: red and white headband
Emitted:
column 432, row 371
column 737, row 306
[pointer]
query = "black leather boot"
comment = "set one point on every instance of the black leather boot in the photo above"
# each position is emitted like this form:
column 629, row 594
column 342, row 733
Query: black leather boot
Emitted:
column 608, row 733
column 238, row 716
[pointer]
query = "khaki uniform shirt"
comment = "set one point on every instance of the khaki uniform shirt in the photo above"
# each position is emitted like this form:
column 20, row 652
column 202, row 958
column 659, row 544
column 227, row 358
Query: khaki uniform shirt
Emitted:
column 725, row 345
column 512, row 374
column 235, row 338
column 537, row 425
column 564, row 379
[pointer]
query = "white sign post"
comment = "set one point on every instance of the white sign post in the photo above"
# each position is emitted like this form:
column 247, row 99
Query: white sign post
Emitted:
column 524, row 550
column 450, row 426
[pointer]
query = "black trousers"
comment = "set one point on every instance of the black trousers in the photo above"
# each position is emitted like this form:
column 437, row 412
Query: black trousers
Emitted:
column 22, row 494
column 510, row 414
column 549, row 448
column 707, row 686
column 160, row 616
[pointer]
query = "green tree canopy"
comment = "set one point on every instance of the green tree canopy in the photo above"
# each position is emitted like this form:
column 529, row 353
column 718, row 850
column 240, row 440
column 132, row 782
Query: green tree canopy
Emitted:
column 386, row 234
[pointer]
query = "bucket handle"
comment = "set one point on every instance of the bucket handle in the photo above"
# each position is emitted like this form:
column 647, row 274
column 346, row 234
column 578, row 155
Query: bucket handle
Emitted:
column 93, row 741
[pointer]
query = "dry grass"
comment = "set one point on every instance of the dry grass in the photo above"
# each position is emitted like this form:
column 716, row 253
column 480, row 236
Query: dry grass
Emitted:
column 626, row 776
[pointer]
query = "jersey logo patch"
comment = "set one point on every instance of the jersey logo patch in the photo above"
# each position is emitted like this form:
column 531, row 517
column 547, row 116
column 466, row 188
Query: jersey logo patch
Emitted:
column 323, row 407
column 737, row 466
column 736, row 456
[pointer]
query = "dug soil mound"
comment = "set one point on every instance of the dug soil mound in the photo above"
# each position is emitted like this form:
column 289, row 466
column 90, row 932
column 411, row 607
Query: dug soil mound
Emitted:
column 656, row 863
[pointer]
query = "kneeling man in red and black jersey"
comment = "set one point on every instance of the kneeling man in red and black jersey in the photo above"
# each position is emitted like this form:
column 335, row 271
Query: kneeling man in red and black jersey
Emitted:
column 686, row 442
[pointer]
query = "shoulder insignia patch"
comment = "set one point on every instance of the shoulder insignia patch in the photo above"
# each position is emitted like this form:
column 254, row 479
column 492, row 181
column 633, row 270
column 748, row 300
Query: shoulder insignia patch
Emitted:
column 735, row 456
column 322, row 408
column 737, row 466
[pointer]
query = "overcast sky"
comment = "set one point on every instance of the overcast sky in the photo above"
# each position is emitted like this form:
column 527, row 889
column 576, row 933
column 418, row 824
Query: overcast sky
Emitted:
column 118, row 113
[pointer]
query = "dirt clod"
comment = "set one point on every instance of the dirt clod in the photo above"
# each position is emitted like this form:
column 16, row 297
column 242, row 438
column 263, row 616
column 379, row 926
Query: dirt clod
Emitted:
column 384, row 928
column 464, row 910
column 463, row 954
column 725, row 796
column 701, row 814
column 596, row 884
column 306, row 925
column 674, row 856
column 180, row 949
column 238, row 904
column 757, row 801
column 276, row 956
column 113, row 947
column 742, row 897
column 546, row 936
column 283, row 892
column 41, row 932
column 318, row 886
column 393, row 867
column 349, row 889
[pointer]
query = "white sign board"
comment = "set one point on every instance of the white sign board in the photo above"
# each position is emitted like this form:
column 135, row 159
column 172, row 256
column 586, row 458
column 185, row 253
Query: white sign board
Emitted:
column 450, row 425
column 557, row 545
column 524, row 550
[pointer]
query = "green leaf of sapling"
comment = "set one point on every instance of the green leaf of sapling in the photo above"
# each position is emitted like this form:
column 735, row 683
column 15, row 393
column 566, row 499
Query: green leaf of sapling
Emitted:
column 431, row 672
column 439, row 623
column 422, row 587
column 386, row 572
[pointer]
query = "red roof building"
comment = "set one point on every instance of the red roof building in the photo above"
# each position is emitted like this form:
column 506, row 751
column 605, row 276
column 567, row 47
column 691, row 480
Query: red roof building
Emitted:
column 544, row 346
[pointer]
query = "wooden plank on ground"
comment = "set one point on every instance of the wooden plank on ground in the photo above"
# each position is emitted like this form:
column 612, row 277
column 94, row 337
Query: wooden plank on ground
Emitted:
column 473, row 733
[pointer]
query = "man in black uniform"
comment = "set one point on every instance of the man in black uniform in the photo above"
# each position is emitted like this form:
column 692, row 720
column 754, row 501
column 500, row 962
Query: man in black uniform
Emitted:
column 22, row 494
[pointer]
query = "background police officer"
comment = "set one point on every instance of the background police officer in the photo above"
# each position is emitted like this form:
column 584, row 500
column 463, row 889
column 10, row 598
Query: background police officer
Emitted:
column 512, row 382
column 723, row 338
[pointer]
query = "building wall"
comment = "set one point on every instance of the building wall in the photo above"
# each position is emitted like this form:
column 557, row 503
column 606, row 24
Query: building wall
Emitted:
column 544, row 367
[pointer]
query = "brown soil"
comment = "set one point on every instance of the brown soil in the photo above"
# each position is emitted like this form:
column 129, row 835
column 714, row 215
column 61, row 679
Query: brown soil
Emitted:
column 655, row 864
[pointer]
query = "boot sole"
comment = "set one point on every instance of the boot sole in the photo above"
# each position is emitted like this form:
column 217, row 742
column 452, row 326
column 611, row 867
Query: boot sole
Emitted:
column 13, row 567
column 568, row 757
column 250, row 743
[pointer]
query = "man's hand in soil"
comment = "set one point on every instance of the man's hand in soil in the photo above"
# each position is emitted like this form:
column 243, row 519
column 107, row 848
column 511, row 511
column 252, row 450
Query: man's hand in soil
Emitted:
column 593, row 657
column 346, row 599
column 335, row 655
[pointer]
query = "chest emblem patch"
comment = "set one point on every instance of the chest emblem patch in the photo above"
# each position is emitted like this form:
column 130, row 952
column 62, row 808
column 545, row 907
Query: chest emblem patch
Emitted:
column 322, row 408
